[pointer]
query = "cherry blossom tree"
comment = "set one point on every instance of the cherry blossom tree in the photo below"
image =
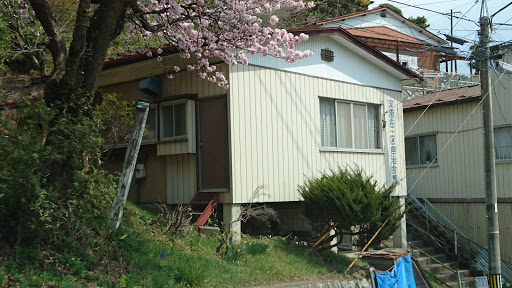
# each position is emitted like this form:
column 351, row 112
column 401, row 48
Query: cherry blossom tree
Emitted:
column 200, row 29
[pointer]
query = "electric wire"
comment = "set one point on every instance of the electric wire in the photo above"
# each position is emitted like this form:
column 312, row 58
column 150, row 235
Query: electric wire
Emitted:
column 414, row 124
column 493, row 65
column 449, row 140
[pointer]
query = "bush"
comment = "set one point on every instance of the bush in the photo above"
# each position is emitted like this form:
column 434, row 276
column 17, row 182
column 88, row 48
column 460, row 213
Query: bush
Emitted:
column 354, row 201
column 33, row 142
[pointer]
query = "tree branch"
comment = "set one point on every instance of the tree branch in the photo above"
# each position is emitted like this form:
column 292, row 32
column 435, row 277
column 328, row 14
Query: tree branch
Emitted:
column 73, row 75
column 57, row 45
column 103, row 28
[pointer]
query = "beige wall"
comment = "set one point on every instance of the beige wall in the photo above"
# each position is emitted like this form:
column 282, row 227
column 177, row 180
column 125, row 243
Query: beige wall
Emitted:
column 459, row 171
column 170, row 178
column 275, row 132
column 471, row 220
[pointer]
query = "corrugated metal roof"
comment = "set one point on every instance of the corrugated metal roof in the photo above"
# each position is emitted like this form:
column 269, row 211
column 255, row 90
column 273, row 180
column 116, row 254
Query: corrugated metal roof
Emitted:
column 383, row 33
column 445, row 97
column 377, row 9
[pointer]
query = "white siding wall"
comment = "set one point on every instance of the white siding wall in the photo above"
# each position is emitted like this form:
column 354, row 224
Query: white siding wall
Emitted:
column 374, row 19
column 275, row 132
column 347, row 66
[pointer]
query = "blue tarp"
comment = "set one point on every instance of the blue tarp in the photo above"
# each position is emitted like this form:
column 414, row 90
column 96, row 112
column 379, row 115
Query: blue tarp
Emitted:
column 400, row 277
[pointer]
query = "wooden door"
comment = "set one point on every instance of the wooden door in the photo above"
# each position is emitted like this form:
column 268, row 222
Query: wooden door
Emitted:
column 213, row 145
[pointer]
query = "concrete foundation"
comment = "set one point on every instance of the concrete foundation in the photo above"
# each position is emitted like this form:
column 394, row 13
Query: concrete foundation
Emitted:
column 400, row 235
column 230, row 215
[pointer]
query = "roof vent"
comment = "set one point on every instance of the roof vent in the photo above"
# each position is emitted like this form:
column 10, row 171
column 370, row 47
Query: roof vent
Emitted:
column 327, row 55
column 383, row 14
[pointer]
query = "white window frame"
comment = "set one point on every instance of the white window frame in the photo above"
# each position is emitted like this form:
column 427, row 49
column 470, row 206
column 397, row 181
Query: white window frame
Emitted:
column 505, row 160
column 336, row 148
column 154, row 140
column 161, row 121
column 436, row 158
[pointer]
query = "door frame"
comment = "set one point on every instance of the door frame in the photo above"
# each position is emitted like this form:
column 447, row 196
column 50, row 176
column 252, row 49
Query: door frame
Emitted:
column 198, row 146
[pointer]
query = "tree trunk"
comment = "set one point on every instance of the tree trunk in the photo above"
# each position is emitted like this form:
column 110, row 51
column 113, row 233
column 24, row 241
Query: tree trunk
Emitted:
column 72, row 88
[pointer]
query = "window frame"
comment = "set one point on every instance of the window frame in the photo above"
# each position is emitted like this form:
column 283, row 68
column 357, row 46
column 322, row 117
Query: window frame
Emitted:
column 508, row 160
column 417, row 137
column 336, row 125
column 155, row 139
column 161, row 125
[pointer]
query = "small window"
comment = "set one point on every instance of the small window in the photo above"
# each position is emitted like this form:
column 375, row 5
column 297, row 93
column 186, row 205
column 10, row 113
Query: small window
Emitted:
column 349, row 125
column 420, row 150
column 173, row 121
column 503, row 143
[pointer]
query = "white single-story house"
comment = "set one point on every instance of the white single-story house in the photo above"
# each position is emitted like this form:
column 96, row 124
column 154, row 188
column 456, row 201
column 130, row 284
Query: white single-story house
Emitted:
column 275, row 125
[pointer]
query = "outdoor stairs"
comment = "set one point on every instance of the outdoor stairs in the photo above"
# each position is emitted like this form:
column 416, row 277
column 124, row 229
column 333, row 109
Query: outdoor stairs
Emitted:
column 439, row 261
column 207, row 203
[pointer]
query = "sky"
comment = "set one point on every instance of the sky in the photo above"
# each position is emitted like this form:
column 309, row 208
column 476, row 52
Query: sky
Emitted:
column 465, row 29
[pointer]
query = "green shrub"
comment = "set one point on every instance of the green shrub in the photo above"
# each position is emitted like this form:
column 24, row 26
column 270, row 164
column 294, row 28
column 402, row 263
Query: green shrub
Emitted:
column 34, row 143
column 354, row 201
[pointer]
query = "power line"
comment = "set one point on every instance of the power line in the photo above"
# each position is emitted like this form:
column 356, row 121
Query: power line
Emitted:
column 492, row 16
column 451, row 138
column 440, row 13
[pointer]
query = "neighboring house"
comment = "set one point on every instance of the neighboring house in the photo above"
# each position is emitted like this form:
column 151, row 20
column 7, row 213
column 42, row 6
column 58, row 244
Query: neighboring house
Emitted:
column 393, row 35
column 277, row 124
column 408, row 44
column 444, row 156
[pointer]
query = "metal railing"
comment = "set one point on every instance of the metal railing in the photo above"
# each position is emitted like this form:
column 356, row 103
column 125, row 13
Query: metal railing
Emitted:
column 426, row 218
column 435, row 81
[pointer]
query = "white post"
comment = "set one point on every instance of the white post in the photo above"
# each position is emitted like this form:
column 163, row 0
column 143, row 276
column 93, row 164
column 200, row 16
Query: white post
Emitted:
column 231, row 213
column 400, row 235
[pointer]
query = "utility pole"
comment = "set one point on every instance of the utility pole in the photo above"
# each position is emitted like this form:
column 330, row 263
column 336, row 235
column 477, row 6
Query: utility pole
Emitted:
column 493, row 236
column 451, row 34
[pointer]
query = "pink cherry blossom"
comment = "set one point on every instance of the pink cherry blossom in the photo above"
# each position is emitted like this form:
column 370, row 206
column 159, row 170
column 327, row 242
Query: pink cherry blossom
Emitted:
column 222, row 29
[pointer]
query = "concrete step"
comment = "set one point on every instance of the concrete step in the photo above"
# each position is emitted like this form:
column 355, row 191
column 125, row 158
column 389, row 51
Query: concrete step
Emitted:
column 425, row 260
column 465, row 283
column 440, row 268
column 451, row 277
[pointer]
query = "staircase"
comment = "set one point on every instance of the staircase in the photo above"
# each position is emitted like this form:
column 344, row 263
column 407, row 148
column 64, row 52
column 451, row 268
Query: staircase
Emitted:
column 442, row 248
column 201, row 199
column 438, row 261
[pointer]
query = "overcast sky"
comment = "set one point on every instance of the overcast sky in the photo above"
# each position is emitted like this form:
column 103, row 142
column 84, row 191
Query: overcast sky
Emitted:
column 462, row 28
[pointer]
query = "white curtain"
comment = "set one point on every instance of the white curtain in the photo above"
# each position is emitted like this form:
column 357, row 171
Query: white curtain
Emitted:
column 344, row 125
column 328, row 122
column 360, row 126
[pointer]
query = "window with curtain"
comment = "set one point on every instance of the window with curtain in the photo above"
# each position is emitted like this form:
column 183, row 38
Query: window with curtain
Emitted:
column 173, row 121
column 349, row 125
column 503, row 143
column 420, row 150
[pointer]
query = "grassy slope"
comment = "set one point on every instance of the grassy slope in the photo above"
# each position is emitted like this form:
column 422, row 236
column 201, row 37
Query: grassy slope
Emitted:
column 141, row 254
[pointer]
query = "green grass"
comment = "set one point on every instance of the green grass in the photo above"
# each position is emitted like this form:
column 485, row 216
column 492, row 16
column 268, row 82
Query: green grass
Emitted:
column 141, row 254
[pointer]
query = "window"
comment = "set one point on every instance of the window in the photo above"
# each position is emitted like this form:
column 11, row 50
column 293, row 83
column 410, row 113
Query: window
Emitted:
column 420, row 150
column 503, row 143
column 349, row 125
column 173, row 121
column 150, row 131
